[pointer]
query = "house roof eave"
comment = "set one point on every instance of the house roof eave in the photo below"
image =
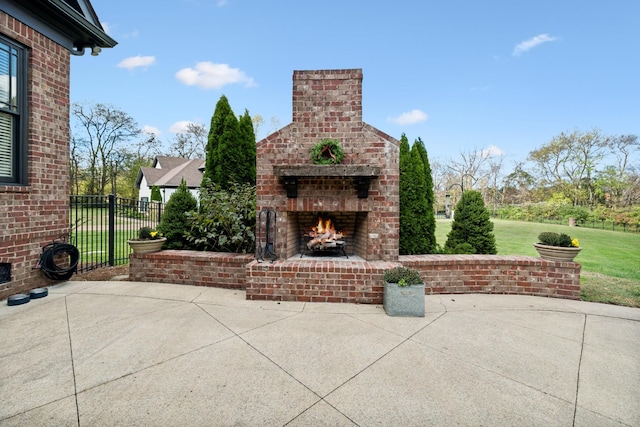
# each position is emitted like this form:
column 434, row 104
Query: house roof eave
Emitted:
column 84, row 30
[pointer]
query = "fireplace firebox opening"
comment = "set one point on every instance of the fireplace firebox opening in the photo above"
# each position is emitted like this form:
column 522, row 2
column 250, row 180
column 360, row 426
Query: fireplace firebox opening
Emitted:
column 328, row 233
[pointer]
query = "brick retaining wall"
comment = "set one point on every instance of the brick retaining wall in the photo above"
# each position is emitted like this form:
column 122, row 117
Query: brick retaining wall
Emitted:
column 357, row 281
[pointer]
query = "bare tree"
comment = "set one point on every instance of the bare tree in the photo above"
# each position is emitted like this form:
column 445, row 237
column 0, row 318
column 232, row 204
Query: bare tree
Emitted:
column 190, row 144
column 492, row 192
column 469, row 169
column 622, row 147
column 100, row 131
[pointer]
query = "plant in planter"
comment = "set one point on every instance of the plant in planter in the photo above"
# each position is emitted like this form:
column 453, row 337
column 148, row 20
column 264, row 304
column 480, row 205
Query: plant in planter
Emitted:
column 327, row 152
column 148, row 240
column 557, row 246
column 403, row 292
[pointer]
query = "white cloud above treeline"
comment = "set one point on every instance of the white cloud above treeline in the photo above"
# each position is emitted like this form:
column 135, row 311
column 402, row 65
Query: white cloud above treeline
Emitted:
column 150, row 130
column 134, row 62
column 208, row 75
column 409, row 118
column 181, row 126
column 491, row 151
column 533, row 42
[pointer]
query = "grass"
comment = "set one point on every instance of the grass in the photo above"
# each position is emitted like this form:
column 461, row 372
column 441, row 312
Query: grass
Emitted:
column 93, row 246
column 610, row 259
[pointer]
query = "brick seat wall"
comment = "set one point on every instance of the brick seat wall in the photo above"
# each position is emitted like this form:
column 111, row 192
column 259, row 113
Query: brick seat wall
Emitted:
column 357, row 281
column 214, row 269
column 496, row 274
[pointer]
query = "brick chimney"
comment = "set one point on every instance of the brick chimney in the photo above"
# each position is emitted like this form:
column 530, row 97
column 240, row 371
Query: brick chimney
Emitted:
column 328, row 101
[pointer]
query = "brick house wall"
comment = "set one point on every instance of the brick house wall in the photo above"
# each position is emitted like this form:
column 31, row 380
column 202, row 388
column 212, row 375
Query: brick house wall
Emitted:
column 33, row 215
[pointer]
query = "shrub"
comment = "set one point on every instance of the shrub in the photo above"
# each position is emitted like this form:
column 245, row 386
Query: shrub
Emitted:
column 226, row 220
column 471, row 225
column 174, row 224
column 551, row 238
column 156, row 196
column 403, row 276
column 417, row 220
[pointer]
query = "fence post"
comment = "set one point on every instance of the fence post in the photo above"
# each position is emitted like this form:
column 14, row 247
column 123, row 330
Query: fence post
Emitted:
column 112, row 229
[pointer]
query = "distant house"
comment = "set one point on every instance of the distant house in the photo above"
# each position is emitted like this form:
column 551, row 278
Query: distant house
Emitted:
column 37, row 39
column 166, row 173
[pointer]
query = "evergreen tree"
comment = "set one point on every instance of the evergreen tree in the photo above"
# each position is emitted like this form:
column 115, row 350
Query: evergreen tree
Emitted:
column 472, row 229
column 407, row 198
column 247, row 172
column 430, row 231
column 222, row 128
column 420, row 207
column 228, row 163
column 155, row 194
column 174, row 223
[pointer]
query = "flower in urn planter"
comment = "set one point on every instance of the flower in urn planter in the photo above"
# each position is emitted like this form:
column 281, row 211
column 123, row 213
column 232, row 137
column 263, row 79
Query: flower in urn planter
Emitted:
column 146, row 233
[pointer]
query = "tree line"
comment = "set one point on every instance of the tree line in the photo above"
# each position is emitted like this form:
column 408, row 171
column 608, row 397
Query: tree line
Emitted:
column 579, row 168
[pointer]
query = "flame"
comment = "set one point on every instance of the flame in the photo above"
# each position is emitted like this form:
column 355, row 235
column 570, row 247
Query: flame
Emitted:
column 325, row 227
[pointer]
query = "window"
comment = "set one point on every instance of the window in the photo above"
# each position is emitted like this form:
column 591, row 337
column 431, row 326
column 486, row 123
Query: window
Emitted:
column 13, row 116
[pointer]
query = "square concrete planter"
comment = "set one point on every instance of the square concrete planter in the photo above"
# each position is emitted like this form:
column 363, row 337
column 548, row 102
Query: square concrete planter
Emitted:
column 405, row 301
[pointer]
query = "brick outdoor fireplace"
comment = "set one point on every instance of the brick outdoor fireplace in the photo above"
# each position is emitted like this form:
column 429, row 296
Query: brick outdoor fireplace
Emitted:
column 360, row 195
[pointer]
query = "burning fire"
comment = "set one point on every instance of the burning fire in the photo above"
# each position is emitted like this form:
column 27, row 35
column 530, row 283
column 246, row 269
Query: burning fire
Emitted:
column 326, row 230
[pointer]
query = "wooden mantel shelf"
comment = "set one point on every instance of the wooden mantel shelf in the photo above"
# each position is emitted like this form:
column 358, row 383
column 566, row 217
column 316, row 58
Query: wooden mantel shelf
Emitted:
column 326, row 170
column 362, row 175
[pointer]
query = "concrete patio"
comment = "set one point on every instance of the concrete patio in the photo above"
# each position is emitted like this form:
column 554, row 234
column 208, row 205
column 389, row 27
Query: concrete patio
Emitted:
column 128, row 353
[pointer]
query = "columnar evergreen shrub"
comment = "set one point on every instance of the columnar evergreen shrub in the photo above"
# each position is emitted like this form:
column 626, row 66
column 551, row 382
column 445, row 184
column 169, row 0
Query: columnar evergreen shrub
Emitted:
column 175, row 224
column 430, row 226
column 471, row 229
column 417, row 220
column 231, row 148
column 156, row 196
column 407, row 198
column 221, row 128
column 247, row 170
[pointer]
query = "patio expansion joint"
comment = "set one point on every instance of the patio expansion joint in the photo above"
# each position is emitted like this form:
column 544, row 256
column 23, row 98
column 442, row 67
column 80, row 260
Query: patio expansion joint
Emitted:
column 575, row 403
column 481, row 367
column 73, row 369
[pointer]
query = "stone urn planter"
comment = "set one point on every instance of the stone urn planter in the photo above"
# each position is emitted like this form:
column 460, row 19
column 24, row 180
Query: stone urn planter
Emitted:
column 559, row 247
column 146, row 246
column 403, row 292
column 148, row 241
column 557, row 253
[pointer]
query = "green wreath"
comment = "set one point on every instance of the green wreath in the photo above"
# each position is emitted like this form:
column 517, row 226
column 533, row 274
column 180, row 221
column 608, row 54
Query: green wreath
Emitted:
column 327, row 152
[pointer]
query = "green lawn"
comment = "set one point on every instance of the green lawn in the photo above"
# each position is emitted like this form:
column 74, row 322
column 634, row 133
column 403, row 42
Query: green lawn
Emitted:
column 610, row 259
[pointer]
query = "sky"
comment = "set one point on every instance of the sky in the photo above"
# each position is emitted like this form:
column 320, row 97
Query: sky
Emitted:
column 503, row 77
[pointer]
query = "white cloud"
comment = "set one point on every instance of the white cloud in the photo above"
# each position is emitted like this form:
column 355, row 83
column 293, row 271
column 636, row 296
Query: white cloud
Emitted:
column 106, row 27
column 532, row 42
column 222, row 3
column 137, row 62
column 409, row 118
column 208, row 75
column 491, row 151
column 180, row 127
column 150, row 130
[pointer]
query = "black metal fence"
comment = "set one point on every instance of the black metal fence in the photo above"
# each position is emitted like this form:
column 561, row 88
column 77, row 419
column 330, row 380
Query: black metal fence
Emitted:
column 101, row 226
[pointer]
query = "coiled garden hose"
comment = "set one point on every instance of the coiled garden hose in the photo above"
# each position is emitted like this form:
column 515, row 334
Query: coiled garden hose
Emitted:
column 53, row 252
